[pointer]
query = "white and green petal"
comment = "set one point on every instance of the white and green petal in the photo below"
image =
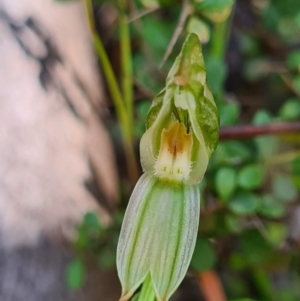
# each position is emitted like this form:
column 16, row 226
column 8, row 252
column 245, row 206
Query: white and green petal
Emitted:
column 158, row 235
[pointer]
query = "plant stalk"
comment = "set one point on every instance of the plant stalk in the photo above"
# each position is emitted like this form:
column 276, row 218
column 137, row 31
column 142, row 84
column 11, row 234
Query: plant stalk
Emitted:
column 122, row 104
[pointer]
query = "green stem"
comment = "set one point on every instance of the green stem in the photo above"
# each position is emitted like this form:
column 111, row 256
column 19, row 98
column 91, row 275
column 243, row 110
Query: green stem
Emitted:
column 112, row 83
column 219, row 40
column 126, row 60
column 124, row 114
column 262, row 283
column 147, row 293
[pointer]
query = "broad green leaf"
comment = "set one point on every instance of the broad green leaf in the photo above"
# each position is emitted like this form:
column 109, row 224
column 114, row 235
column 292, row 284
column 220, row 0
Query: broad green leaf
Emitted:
column 225, row 182
column 204, row 256
column 244, row 203
column 250, row 176
column 75, row 274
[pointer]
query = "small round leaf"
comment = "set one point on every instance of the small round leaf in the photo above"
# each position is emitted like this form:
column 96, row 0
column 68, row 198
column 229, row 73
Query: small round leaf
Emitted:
column 204, row 256
column 225, row 182
column 244, row 203
column 250, row 176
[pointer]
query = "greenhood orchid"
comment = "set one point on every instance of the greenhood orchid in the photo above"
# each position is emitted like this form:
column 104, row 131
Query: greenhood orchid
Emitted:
column 160, row 227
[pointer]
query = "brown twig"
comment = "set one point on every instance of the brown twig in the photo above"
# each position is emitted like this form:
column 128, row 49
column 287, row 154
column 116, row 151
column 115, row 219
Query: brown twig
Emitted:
column 185, row 12
column 250, row 131
column 140, row 14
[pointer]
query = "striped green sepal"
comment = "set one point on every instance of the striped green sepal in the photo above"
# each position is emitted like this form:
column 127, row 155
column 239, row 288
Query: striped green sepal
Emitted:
column 158, row 235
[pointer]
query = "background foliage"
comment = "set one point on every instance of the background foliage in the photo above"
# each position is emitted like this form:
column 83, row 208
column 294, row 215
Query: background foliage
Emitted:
column 249, row 228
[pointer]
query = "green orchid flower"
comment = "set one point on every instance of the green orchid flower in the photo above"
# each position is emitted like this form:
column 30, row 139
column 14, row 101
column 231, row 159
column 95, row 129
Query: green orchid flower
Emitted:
column 160, row 226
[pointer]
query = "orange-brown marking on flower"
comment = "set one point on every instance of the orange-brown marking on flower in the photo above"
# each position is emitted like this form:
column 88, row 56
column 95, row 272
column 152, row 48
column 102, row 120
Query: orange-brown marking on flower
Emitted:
column 173, row 161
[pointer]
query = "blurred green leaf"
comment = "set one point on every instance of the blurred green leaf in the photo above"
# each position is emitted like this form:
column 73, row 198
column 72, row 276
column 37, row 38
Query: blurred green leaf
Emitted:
column 141, row 73
column 286, row 8
column 107, row 259
column 250, row 176
column 290, row 110
column 296, row 181
column 237, row 261
column 216, row 73
column 271, row 16
column 293, row 60
column 270, row 207
column 213, row 5
column 254, row 246
column 91, row 221
column 231, row 152
column 297, row 19
column 229, row 114
column 249, row 45
column 262, row 117
column 225, row 181
column 156, row 34
column 296, row 166
column 266, row 146
column 204, row 256
column 166, row 3
column 199, row 27
column 75, row 274
column 296, row 82
column 215, row 10
column 276, row 233
column 283, row 188
column 233, row 223
column 244, row 202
